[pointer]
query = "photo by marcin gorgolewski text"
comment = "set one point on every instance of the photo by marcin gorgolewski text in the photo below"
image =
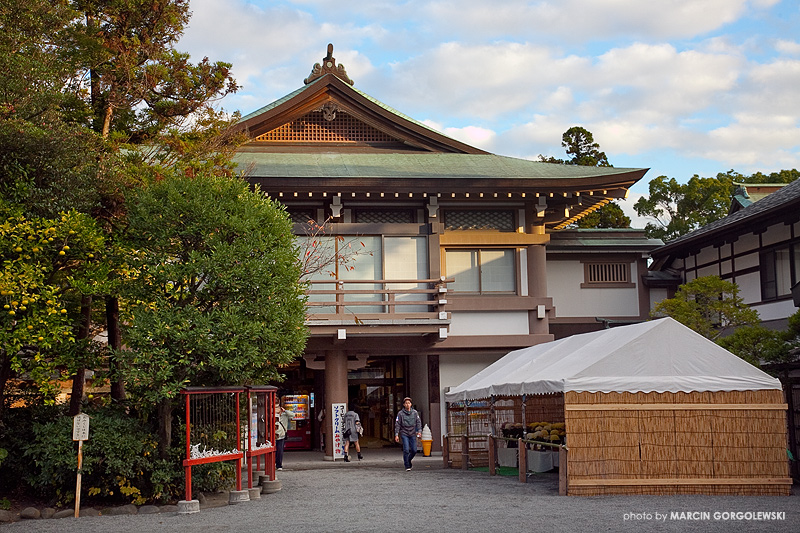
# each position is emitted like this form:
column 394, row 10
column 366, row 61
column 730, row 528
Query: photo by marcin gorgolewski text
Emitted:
column 710, row 516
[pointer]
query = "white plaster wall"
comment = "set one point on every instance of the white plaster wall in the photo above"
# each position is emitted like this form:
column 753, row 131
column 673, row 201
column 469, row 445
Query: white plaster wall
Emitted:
column 712, row 270
column 656, row 295
column 750, row 287
column 489, row 323
column 747, row 261
column 775, row 310
column 707, row 255
column 745, row 243
column 775, row 234
column 454, row 369
column 564, row 280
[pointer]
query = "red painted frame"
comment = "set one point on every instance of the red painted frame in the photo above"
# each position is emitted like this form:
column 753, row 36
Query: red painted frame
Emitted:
column 270, row 394
column 188, row 462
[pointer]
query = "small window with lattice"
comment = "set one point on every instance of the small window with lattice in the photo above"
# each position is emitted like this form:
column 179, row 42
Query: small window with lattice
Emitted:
column 314, row 127
column 384, row 216
column 479, row 220
column 302, row 216
column 607, row 274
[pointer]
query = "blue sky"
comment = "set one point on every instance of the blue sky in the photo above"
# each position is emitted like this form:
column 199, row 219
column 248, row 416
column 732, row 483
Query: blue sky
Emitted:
column 682, row 87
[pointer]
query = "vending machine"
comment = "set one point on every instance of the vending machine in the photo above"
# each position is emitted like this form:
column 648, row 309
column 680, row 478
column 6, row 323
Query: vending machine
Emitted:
column 298, row 434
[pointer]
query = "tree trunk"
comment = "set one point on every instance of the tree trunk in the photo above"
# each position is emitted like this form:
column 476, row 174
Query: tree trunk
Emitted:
column 115, row 343
column 5, row 375
column 164, row 427
column 79, row 379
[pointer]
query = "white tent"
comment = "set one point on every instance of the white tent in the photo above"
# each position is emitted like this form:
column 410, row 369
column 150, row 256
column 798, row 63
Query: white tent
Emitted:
column 657, row 356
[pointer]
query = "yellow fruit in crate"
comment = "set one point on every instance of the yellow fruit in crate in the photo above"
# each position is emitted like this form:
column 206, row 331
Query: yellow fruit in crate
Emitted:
column 538, row 428
column 554, row 438
column 559, row 425
column 548, row 427
column 553, row 432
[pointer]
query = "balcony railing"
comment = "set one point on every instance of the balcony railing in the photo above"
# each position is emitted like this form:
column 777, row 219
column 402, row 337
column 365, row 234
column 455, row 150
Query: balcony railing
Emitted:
column 382, row 302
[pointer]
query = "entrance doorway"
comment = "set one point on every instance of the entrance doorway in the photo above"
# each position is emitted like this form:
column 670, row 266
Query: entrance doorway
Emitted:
column 377, row 391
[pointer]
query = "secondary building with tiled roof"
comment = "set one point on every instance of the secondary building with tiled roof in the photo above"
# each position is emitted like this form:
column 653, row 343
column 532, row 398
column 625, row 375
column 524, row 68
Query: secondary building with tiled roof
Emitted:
column 757, row 247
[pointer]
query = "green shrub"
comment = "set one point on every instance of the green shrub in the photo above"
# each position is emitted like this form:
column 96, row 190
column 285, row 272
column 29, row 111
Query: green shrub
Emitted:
column 119, row 461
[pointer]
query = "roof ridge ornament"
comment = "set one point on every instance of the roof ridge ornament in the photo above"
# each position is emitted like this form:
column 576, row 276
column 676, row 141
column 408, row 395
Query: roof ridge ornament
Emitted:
column 328, row 66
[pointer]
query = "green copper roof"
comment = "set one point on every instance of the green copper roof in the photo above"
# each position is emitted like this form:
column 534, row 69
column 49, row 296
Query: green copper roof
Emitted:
column 412, row 165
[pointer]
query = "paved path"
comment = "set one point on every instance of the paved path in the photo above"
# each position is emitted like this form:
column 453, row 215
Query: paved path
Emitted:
column 378, row 495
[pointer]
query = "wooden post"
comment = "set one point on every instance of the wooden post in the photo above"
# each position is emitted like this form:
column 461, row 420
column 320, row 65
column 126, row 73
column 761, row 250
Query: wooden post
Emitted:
column 562, row 471
column 523, row 461
column 492, row 454
column 446, row 452
column 465, row 453
column 78, row 482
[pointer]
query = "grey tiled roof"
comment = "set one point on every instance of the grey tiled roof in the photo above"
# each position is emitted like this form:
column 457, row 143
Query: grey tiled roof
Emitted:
column 783, row 198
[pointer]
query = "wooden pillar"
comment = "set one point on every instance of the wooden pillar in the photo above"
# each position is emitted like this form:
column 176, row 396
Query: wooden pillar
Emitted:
column 335, row 390
column 465, row 452
column 563, row 488
column 537, row 286
column 523, row 462
column 492, row 454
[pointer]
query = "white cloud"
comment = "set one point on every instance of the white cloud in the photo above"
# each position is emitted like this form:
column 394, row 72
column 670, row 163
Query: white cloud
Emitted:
column 584, row 20
column 790, row 48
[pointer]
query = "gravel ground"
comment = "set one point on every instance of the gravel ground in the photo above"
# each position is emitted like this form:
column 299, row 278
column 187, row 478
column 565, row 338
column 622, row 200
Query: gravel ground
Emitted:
column 383, row 497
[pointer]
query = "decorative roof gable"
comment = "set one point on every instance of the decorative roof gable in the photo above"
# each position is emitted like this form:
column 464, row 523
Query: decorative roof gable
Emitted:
column 350, row 116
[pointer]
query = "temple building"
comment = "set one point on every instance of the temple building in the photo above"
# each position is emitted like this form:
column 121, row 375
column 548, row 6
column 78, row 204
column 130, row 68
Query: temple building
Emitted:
column 429, row 259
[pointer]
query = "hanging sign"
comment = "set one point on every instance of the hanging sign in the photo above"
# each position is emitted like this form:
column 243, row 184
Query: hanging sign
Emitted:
column 80, row 427
column 80, row 433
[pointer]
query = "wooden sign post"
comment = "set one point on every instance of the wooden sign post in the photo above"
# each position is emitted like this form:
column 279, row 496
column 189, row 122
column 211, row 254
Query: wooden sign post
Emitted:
column 80, row 433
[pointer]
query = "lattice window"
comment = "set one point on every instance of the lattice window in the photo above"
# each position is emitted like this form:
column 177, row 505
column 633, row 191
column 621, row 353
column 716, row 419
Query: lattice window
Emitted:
column 385, row 216
column 302, row 216
column 313, row 127
column 479, row 220
column 607, row 274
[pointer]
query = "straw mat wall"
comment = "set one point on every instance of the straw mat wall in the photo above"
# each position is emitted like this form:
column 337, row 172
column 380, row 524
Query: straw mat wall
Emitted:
column 731, row 442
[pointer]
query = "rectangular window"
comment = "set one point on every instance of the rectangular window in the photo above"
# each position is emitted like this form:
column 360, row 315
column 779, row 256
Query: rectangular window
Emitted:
column 368, row 258
column 780, row 268
column 606, row 274
column 482, row 270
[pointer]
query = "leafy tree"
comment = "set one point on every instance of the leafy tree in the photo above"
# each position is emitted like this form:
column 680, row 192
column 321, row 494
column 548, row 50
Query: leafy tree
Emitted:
column 680, row 208
column 608, row 216
column 579, row 143
column 48, row 263
column 709, row 305
column 217, row 299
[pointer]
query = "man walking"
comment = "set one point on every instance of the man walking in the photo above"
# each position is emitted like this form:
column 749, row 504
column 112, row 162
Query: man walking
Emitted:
column 408, row 426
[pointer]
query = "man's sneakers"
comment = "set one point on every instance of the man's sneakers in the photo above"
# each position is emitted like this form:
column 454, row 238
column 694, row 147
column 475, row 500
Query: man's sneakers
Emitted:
column 408, row 469
column 280, row 468
column 346, row 458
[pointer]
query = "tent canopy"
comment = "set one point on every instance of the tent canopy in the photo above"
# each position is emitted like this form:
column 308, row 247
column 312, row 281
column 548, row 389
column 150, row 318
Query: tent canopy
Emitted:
column 657, row 356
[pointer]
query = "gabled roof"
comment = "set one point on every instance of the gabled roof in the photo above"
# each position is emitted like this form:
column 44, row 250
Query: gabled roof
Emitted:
column 300, row 147
column 656, row 356
column 779, row 207
column 332, row 90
